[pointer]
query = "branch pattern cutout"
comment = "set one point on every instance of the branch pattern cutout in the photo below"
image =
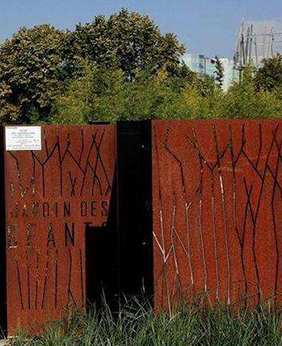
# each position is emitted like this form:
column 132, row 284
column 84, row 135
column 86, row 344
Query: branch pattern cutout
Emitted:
column 217, row 212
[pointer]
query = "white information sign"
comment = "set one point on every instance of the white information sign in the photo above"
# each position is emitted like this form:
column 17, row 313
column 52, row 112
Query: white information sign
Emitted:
column 23, row 137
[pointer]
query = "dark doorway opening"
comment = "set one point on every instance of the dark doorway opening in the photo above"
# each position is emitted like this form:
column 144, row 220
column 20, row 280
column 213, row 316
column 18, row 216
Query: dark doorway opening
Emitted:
column 119, row 256
column 135, row 207
column 102, row 270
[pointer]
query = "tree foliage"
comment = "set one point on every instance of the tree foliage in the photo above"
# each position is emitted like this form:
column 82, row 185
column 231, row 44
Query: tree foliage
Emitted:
column 121, row 67
column 107, row 95
column 269, row 76
column 37, row 64
column 30, row 74
column 127, row 41
column 219, row 71
column 102, row 94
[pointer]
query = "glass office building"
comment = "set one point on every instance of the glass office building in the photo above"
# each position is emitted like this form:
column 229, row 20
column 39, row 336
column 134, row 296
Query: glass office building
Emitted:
column 200, row 64
column 205, row 66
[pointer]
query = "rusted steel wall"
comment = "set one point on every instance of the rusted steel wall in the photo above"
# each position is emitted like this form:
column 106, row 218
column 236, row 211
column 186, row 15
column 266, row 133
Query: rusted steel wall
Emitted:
column 51, row 195
column 217, row 202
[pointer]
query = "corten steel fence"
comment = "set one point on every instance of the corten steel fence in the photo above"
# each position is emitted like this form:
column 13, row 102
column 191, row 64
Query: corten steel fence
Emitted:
column 51, row 196
column 217, row 202
column 179, row 210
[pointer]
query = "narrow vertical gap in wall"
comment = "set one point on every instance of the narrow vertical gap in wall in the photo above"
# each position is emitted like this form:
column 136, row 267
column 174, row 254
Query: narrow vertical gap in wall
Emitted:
column 102, row 258
column 135, row 207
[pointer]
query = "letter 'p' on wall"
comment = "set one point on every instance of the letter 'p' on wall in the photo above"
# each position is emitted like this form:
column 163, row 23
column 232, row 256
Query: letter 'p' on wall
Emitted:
column 57, row 180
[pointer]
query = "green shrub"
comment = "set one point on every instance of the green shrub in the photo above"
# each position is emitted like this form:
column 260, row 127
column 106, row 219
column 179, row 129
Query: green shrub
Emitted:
column 107, row 95
column 137, row 325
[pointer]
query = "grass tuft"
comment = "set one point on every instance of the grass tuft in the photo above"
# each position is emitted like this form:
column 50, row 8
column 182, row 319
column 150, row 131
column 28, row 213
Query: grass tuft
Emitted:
column 135, row 324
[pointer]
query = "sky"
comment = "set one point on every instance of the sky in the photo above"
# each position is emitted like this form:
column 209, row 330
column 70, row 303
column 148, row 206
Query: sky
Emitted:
column 206, row 27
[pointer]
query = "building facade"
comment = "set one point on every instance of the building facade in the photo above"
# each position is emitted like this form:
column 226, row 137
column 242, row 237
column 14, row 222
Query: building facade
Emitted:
column 206, row 66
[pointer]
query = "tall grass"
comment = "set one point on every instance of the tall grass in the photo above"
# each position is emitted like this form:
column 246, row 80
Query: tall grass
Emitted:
column 135, row 324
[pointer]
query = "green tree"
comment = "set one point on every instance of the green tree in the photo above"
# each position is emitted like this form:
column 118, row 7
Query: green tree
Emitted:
column 269, row 76
column 31, row 74
column 37, row 64
column 219, row 71
column 243, row 100
column 127, row 41
column 74, row 105
column 107, row 95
